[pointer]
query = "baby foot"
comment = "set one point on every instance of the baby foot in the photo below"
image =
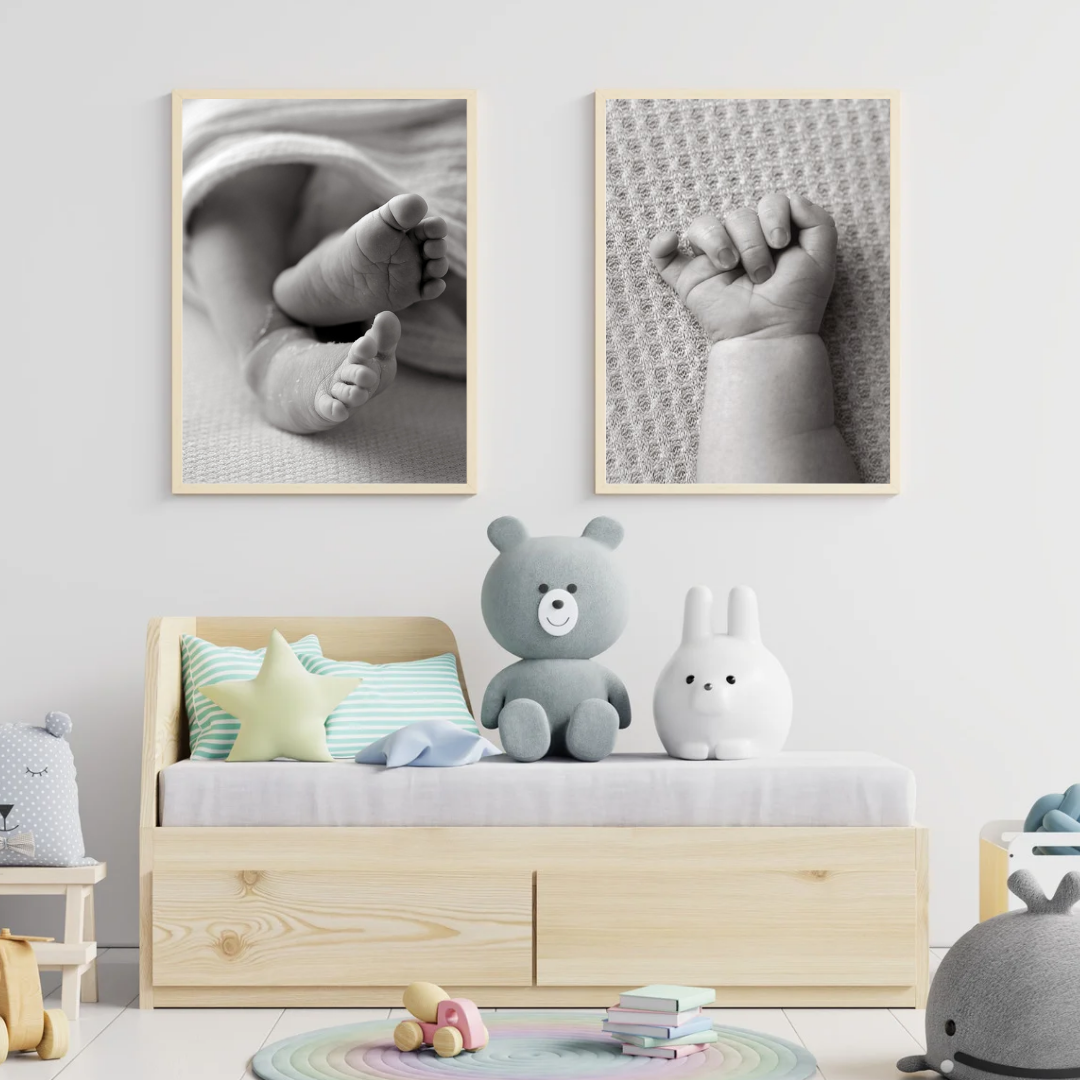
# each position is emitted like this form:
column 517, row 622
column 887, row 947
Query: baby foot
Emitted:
column 304, row 385
column 388, row 260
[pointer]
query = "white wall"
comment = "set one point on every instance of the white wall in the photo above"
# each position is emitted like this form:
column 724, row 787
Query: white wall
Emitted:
column 937, row 627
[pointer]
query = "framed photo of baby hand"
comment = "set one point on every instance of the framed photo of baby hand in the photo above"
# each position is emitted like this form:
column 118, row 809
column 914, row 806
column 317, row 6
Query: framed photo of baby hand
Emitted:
column 323, row 300
column 746, row 292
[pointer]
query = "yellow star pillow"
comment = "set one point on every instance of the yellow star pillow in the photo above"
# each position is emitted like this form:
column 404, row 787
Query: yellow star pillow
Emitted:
column 283, row 710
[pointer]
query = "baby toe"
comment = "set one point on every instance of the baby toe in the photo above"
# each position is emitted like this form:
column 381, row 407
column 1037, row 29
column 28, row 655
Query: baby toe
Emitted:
column 434, row 249
column 330, row 409
column 385, row 331
column 436, row 268
column 352, row 397
column 431, row 228
column 362, row 349
column 406, row 211
column 358, row 375
column 432, row 288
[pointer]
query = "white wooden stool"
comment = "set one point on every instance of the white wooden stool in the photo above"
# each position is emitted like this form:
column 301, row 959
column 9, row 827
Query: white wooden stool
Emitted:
column 76, row 956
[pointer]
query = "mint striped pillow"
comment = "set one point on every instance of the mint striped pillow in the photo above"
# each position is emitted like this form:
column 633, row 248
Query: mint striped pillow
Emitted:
column 391, row 696
column 211, row 730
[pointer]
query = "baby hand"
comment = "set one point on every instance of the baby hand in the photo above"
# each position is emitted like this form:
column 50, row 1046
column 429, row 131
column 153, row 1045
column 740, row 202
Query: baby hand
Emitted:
column 763, row 274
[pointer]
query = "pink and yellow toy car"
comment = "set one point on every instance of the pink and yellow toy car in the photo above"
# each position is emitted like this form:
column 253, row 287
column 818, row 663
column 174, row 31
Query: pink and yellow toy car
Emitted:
column 448, row 1024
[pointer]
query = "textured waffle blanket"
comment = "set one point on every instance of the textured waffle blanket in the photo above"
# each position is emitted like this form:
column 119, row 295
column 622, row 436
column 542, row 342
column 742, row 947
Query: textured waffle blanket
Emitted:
column 669, row 161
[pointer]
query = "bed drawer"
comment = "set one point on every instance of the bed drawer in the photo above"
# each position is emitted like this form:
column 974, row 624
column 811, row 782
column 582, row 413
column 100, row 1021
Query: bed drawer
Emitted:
column 743, row 927
column 279, row 927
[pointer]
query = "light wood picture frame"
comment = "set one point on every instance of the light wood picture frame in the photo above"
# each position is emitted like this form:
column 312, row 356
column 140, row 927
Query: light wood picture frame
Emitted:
column 678, row 154
column 449, row 380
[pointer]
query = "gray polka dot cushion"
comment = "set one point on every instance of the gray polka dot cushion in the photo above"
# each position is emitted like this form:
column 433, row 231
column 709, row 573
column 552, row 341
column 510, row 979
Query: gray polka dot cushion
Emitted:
column 39, row 800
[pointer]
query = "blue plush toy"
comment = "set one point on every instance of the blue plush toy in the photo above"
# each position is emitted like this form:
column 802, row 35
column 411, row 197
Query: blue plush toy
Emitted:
column 1056, row 813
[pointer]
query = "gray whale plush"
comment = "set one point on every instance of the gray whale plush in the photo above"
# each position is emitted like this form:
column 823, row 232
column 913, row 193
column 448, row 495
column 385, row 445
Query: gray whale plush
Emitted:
column 555, row 601
column 1006, row 999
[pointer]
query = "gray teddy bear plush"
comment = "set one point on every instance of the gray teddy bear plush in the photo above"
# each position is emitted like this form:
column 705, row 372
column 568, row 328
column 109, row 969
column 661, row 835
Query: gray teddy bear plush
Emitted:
column 1006, row 998
column 555, row 601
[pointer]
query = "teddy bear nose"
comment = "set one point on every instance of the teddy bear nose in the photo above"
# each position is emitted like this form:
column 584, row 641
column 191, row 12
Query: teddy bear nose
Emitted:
column 6, row 809
column 708, row 686
column 556, row 604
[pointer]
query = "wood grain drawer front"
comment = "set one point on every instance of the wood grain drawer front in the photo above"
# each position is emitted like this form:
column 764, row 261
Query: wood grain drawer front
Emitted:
column 341, row 928
column 715, row 928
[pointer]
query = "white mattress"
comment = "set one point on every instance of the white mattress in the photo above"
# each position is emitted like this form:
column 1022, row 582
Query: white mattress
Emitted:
column 798, row 788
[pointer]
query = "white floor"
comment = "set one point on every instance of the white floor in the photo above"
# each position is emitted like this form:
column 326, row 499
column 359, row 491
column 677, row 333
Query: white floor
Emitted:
column 114, row 1040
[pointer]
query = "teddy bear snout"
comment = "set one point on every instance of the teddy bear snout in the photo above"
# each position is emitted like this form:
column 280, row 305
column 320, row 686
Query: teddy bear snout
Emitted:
column 558, row 612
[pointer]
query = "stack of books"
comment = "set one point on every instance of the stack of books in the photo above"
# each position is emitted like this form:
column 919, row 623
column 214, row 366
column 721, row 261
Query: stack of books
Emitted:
column 662, row 1021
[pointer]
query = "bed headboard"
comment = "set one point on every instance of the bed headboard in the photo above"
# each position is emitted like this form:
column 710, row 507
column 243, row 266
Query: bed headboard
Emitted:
column 375, row 639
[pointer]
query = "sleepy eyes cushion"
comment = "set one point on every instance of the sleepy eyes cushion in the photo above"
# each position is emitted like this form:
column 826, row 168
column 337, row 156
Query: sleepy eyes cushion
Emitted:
column 39, row 799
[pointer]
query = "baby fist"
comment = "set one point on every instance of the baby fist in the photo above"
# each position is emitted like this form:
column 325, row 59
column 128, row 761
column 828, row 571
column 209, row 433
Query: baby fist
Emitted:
column 760, row 273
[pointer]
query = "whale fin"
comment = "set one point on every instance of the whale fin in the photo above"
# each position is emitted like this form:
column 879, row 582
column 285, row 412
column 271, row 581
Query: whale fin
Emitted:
column 1067, row 895
column 914, row 1064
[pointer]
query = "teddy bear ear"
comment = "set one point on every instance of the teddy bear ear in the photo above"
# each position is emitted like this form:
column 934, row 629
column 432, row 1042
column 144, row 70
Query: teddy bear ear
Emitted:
column 606, row 531
column 58, row 724
column 507, row 533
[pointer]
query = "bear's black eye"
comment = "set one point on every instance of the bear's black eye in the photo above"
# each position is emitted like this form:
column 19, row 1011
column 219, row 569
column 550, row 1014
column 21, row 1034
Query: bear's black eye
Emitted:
column 689, row 678
column 33, row 773
column 571, row 588
column 950, row 1027
column 731, row 680
column 544, row 588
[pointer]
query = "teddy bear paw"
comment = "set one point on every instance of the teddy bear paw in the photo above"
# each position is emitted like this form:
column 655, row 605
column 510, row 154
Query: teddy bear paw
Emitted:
column 592, row 730
column 524, row 730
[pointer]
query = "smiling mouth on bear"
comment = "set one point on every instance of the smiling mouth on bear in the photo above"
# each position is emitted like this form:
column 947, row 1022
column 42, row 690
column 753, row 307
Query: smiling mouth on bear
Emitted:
column 1012, row 1070
column 7, row 827
column 551, row 622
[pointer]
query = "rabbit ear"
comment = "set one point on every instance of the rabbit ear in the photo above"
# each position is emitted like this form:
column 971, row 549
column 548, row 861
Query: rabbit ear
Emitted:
column 697, row 615
column 742, row 614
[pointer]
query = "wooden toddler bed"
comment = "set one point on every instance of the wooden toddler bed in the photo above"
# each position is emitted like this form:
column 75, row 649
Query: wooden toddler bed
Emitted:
column 510, row 916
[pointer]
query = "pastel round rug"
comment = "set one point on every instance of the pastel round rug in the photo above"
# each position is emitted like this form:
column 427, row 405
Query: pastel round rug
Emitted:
column 532, row 1045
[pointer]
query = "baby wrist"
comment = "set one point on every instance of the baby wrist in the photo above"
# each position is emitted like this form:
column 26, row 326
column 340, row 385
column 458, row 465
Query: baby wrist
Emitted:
column 769, row 387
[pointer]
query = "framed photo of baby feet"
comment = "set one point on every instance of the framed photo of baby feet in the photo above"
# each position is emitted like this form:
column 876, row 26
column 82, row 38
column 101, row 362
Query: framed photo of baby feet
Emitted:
column 324, row 331
column 746, row 271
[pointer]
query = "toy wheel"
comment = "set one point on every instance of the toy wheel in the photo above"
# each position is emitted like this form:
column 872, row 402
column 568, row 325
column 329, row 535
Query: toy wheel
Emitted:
column 408, row 1035
column 3, row 1040
column 448, row 1042
column 55, row 1037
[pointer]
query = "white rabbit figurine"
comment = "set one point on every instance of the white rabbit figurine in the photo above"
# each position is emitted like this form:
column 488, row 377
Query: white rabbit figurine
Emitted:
column 722, row 696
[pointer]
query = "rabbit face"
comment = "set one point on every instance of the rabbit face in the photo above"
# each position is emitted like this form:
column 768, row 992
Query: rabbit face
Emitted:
column 722, row 695
column 719, row 674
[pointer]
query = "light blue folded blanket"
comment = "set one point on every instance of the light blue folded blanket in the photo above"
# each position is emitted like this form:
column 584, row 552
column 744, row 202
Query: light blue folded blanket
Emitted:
column 428, row 743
